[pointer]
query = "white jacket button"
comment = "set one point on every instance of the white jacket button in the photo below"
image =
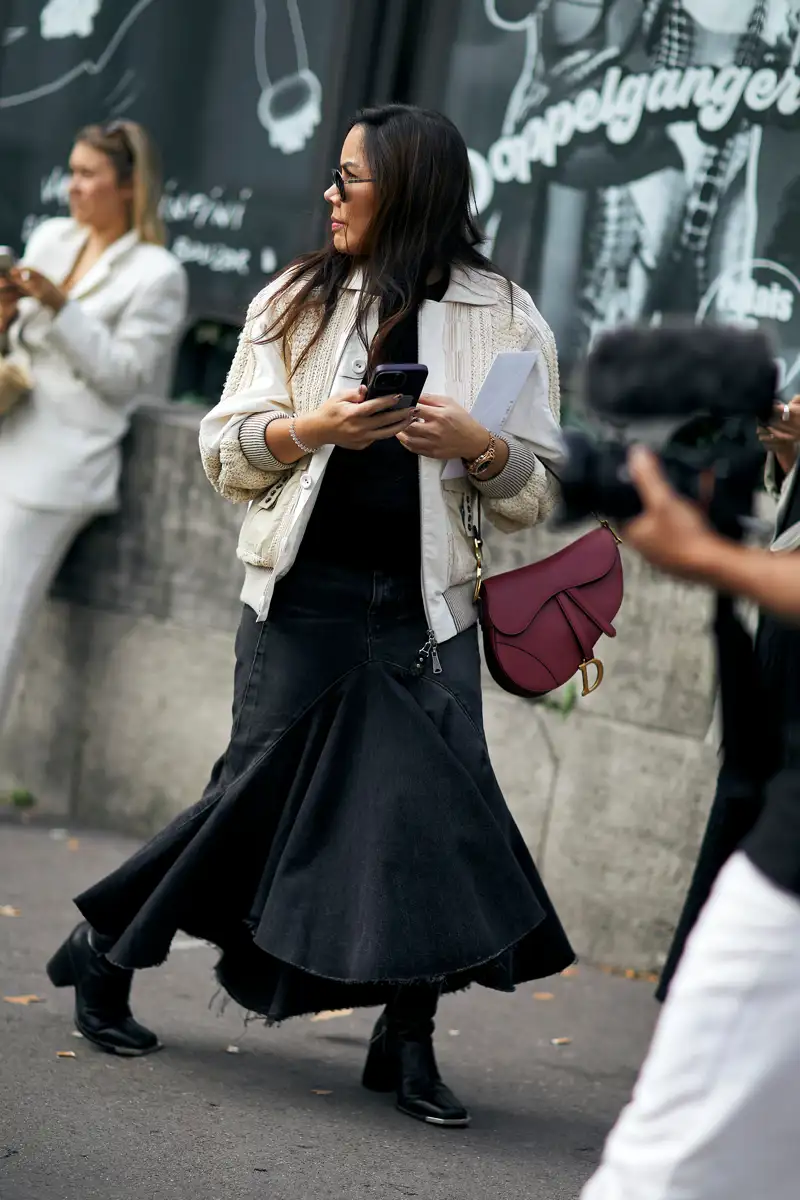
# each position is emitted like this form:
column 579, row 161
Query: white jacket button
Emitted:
column 359, row 366
column 305, row 480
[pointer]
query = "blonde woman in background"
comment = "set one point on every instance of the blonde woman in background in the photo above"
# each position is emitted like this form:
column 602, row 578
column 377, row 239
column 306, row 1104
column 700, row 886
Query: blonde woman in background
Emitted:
column 92, row 315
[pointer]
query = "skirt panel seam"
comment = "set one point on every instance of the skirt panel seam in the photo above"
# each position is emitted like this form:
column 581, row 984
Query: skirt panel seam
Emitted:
column 259, row 759
column 246, row 692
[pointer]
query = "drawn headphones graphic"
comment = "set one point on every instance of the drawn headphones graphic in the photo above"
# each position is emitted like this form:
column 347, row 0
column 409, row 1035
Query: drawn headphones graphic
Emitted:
column 290, row 109
column 62, row 19
column 69, row 18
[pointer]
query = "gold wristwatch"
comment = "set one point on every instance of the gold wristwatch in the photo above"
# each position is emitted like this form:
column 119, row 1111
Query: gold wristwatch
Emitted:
column 480, row 465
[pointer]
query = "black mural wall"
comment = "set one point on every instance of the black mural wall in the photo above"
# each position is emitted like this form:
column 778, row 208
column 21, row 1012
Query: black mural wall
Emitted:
column 632, row 158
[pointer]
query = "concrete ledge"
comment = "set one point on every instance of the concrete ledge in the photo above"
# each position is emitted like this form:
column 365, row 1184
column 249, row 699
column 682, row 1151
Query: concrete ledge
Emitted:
column 124, row 704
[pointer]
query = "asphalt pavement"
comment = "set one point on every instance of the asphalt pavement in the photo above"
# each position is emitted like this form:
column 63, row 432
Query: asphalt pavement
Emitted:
column 235, row 1111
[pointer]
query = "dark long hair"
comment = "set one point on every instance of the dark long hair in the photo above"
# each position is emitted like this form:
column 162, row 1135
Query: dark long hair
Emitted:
column 423, row 220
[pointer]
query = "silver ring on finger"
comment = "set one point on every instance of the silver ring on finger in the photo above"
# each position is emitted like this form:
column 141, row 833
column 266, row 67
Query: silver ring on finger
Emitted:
column 786, row 414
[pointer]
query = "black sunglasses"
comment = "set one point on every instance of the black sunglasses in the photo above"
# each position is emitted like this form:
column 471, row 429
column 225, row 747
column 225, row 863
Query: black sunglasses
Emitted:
column 341, row 182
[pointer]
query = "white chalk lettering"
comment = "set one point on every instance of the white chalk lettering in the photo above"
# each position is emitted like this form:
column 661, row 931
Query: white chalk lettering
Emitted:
column 664, row 92
column 222, row 259
column 789, row 100
column 588, row 111
column 695, row 88
column 536, row 145
column 628, row 110
column 507, row 160
column 726, row 95
column 54, row 188
column 745, row 298
column 608, row 94
column 269, row 260
column 712, row 96
column 561, row 123
column 763, row 90
column 202, row 210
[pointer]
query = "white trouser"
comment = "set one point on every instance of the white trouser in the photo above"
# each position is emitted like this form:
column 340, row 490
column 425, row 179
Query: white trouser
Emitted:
column 33, row 543
column 715, row 1113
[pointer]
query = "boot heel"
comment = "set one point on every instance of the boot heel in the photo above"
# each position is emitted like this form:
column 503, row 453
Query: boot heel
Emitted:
column 380, row 1069
column 60, row 970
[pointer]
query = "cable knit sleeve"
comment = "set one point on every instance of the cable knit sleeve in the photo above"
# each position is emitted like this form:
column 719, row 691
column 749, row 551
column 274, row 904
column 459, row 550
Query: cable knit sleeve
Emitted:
column 524, row 493
column 233, row 448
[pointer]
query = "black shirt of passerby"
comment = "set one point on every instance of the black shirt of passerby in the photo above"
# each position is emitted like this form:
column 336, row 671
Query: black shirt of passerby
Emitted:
column 377, row 488
column 774, row 843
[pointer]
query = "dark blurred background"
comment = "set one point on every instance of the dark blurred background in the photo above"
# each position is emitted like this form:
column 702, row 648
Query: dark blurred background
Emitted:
column 248, row 100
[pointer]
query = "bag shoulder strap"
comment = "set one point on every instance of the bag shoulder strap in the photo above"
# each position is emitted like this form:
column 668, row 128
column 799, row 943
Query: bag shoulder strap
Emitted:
column 471, row 515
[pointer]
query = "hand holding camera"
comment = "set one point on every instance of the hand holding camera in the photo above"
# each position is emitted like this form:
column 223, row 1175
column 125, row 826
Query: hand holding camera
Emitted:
column 671, row 533
column 781, row 436
column 694, row 394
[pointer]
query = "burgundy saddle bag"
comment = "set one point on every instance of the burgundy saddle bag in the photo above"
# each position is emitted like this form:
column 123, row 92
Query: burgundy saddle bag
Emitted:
column 541, row 622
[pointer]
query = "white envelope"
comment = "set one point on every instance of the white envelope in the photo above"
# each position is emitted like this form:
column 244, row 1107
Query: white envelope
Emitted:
column 501, row 388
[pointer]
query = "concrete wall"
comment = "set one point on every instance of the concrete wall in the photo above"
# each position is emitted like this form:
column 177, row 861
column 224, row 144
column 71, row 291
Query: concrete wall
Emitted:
column 124, row 704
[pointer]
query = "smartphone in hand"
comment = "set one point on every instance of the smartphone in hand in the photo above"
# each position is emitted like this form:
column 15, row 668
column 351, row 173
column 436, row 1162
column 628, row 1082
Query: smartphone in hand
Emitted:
column 406, row 380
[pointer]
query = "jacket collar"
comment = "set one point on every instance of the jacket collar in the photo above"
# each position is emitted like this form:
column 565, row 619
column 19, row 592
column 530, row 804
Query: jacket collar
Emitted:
column 467, row 286
column 102, row 268
column 61, row 258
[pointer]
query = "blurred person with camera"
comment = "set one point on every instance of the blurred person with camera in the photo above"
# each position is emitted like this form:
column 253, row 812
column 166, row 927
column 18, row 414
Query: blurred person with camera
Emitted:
column 714, row 1112
column 739, row 796
column 89, row 318
column 353, row 847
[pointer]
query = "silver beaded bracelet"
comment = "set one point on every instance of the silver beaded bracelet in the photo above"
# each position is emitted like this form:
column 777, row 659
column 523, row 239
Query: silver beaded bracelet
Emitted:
column 293, row 435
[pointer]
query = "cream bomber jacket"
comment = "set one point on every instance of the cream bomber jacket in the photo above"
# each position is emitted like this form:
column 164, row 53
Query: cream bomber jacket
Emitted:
column 459, row 338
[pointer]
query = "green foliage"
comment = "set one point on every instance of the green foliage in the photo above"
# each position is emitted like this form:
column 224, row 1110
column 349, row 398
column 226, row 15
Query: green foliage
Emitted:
column 193, row 399
column 564, row 700
column 20, row 798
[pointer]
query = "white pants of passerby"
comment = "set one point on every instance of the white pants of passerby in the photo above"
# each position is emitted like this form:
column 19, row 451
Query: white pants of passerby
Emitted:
column 716, row 1111
column 33, row 544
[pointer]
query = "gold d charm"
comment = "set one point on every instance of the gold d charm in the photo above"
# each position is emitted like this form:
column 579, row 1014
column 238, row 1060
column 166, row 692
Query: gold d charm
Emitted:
column 587, row 687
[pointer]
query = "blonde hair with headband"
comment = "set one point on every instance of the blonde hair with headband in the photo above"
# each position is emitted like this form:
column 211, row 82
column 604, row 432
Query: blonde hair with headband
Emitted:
column 135, row 158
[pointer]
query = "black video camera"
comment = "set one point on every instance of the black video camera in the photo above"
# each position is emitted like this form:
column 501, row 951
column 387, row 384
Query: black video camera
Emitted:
column 694, row 394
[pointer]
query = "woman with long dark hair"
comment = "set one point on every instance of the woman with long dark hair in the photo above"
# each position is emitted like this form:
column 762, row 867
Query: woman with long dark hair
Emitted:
column 353, row 846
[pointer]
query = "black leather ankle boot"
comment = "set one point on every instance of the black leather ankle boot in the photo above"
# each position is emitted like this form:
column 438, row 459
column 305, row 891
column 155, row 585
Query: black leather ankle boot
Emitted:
column 401, row 1060
column 102, row 991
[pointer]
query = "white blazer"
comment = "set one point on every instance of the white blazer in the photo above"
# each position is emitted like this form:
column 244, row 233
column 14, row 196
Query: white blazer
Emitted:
column 111, row 347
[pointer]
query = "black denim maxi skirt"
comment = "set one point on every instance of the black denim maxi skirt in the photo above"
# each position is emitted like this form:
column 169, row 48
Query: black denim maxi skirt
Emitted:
column 353, row 835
